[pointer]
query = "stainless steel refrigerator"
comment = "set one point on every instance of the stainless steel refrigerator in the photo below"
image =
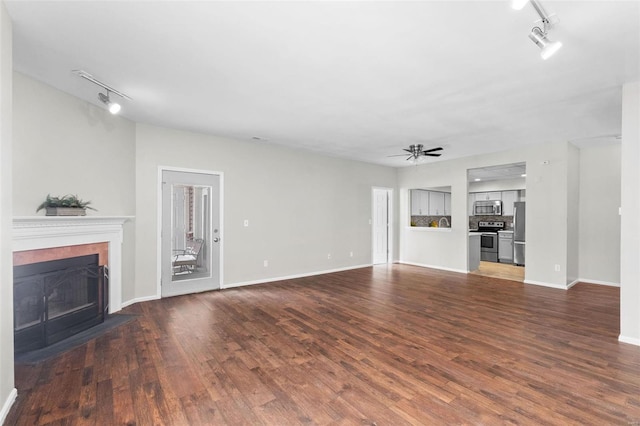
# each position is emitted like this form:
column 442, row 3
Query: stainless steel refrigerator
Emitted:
column 518, row 232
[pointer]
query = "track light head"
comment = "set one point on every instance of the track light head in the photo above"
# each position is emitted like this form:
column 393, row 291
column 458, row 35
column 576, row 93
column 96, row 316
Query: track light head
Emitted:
column 518, row 4
column 113, row 107
column 548, row 47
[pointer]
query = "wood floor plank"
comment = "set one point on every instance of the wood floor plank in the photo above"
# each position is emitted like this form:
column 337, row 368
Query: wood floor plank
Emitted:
column 392, row 344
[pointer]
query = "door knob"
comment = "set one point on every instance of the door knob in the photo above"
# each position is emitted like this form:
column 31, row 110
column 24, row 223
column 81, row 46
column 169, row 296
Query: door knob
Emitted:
column 216, row 239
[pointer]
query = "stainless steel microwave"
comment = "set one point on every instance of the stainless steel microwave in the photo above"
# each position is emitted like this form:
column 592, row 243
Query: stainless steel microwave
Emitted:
column 487, row 208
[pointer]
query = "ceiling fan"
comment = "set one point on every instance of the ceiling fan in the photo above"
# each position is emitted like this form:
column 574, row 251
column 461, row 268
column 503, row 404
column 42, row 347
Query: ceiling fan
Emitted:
column 416, row 151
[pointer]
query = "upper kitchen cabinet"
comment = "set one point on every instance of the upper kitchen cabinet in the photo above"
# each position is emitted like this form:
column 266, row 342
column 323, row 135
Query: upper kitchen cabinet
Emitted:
column 419, row 202
column 508, row 198
column 495, row 195
column 436, row 203
column 447, row 204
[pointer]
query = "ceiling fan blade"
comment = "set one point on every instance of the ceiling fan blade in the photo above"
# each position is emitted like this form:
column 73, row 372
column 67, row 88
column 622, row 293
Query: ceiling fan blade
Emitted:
column 399, row 155
column 431, row 155
column 432, row 150
column 408, row 150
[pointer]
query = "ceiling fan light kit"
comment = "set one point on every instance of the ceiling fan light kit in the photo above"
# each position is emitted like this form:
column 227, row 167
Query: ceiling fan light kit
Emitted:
column 416, row 151
column 539, row 35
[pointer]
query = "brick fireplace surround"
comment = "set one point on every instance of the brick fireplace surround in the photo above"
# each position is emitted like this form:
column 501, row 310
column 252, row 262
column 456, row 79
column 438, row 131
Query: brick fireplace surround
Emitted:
column 37, row 239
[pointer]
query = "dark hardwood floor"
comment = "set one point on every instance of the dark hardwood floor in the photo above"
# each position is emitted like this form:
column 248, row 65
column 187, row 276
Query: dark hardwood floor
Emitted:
column 384, row 345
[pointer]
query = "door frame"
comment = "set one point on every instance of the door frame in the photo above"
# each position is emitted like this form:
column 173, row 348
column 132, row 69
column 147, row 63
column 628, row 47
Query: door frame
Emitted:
column 162, row 169
column 390, row 218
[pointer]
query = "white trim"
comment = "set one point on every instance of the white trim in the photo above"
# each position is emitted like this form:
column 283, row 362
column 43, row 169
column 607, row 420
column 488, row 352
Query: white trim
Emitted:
column 40, row 232
column 291, row 277
column 442, row 268
column 572, row 283
column 629, row 340
column 220, row 175
column 138, row 300
column 607, row 283
column 11, row 398
column 543, row 284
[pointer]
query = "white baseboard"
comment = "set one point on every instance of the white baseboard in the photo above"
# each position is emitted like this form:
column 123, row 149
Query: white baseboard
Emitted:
column 543, row 284
column 607, row 283
column 7, row 405
column 291, row 277
column 422, row 265
column 138, row 300
column 629, row 340
column 572, row 283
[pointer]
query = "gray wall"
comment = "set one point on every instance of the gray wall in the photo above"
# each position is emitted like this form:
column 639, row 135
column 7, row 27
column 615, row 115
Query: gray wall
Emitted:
column 7, row 391
column 573, row 214
column 599, row 218
column 630, row 244
column 64, row 145
column 547, row 187
column 565, row 198
column 300, row 206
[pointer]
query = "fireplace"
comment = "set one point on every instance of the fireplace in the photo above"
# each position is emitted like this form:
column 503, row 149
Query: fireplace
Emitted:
column 55, row 299
column 42, row 239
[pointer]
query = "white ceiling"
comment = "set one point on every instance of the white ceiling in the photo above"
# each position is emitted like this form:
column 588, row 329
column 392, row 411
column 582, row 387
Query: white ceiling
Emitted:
column 359, row 80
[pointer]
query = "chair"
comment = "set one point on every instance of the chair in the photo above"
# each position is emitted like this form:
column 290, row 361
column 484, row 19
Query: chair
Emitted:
column 186, row 261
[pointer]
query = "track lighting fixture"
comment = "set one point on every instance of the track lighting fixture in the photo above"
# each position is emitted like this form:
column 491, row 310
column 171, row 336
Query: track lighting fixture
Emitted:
column 113, row 107
column 539, row 35
column 540, row 39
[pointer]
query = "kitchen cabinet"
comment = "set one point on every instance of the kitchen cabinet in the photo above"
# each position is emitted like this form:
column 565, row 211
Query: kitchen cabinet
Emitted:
column 505, row 246
column 419, row 202
column 508, row 198
column 436, row 203
column 447, row 204
column 472, row 199
column 474, row 251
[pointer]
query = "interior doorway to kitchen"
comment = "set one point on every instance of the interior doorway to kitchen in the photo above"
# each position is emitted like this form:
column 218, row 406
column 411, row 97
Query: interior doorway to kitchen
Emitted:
column 381, row 236
column 497, row 211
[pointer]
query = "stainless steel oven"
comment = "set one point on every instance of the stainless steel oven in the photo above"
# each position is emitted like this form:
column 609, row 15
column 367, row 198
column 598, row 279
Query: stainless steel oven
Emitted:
column 489, row 240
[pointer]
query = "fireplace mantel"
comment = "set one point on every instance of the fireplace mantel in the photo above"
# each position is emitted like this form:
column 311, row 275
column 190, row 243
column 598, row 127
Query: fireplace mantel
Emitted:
column 41, row 232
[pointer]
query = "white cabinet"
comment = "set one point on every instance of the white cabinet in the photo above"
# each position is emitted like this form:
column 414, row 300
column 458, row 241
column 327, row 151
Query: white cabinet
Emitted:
column 447, row 204
column 508, row 198
column 474, row 251
column 472, row 199
column 419, row 202
column 436, row 203
column 505, row 247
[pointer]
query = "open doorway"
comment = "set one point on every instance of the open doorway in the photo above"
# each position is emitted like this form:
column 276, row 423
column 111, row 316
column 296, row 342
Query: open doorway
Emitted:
column 497, row 217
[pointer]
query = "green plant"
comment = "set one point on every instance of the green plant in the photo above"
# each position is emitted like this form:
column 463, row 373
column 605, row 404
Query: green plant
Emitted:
column 70, row 201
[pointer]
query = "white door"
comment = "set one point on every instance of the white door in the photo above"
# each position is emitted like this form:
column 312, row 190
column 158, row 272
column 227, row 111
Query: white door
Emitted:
column 191, row 232
column 381, row 209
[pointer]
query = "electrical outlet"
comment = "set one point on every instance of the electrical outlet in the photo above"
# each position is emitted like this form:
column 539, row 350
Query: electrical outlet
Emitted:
column 246, row 222
column 266, row 263
column 329, row 256
column 557, row 268
column 350, row 254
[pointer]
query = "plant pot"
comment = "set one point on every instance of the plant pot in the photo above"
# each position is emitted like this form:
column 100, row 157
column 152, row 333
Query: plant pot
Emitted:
column 66, row 211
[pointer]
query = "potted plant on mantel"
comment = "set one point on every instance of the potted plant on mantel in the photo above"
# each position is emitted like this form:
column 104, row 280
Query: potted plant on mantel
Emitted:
column 68, row 205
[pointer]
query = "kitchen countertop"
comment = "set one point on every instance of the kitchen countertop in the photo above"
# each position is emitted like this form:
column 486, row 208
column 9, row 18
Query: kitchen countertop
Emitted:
column 506, row 231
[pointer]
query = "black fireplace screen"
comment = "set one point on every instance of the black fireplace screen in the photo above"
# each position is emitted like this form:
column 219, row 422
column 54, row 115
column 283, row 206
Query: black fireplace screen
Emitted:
column 57, row 299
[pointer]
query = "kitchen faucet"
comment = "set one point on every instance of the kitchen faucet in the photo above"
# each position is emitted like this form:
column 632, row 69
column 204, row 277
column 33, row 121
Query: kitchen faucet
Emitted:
column 445, row 221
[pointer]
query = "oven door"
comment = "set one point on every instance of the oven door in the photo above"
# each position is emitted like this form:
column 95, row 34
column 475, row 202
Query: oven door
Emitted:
column 489, row 246
column 489, row 241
